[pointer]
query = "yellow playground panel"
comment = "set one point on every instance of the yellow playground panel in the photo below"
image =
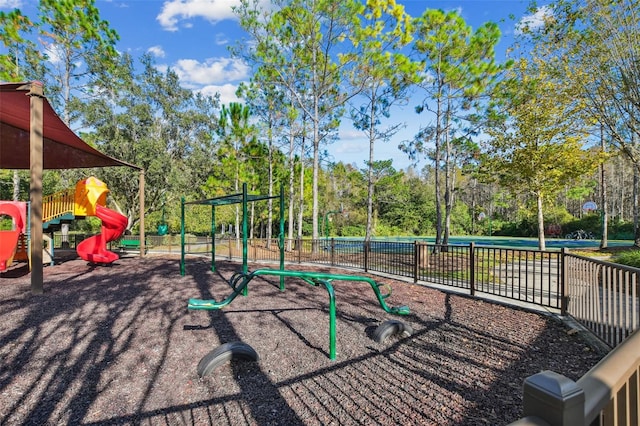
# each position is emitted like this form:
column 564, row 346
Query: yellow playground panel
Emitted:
column 80, row 201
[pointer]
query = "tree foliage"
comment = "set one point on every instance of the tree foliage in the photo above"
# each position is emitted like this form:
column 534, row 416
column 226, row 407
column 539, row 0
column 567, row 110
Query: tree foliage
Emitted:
column 459, row 71
column 312, row 58
column 538, row 146
column 385, row 76
column 148, row 120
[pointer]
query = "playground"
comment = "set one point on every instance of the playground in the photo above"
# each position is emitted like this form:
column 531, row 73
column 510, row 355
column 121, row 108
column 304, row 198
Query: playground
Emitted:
column 88, row 198
column 121, row 344
column 118, row 345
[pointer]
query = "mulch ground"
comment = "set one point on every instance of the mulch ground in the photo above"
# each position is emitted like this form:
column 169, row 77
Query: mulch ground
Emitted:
column 117, row 345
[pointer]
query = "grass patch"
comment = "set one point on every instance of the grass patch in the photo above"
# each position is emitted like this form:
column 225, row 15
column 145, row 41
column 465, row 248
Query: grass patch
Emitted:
column 628, row 258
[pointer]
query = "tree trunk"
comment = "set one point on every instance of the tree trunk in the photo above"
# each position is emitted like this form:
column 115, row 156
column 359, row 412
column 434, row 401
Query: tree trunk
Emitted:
column 603, row 204
column 437, row 172
column 448, row 177
column 301, row 198
column 474, row 188
column 292, row 169
column 636, row 228
column 270, row 201
column 370, row 186
column 16, row 186
column 316, row 152
column 541, row 241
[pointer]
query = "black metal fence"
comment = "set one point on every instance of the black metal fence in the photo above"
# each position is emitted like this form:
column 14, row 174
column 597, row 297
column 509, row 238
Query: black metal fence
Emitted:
column 602, row 296
column 531, row 276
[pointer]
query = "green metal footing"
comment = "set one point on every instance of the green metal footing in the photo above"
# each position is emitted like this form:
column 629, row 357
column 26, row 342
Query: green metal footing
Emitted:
column 312, row 278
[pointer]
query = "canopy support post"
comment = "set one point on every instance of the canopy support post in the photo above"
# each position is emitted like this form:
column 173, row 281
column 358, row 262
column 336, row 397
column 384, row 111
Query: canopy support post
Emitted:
column 143, row 237
column 36, row 95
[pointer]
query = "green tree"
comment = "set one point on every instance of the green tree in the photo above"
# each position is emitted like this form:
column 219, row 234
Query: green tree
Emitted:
column 23, row 58
column 385, row 76
column 66, row 46
column 311, row 38
column 148, row 120
column 538, row 146
column 594, row 45
column 21, row 62
column 460, row 70
column 404, row 203
column 345, row 192
column 266, row 102
column 80, row 46
column 236, row 132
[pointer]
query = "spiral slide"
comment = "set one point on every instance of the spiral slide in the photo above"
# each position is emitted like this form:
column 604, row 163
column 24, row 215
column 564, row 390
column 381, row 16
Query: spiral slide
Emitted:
column 94, row 249
column 9, row 239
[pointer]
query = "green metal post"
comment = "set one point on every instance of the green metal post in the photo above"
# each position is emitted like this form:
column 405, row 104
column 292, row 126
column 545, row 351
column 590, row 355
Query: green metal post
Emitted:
column 245, row 267
column 332, row 318
column 326, row 222
column 213, row 238
column 281, row 236
column 182, row 267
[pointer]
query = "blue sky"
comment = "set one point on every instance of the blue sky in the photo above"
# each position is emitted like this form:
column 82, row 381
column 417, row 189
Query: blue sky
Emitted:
column 192, row 37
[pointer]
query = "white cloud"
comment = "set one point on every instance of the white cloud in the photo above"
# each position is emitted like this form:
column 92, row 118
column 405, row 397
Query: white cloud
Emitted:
column 350, row 134
column 214, row 11
column 350, row 147
column 156, row 51
column 536, row 21
column 10, row 4
column 227, row 92
column 54, row 53
column 212, row 71
column 221, row 39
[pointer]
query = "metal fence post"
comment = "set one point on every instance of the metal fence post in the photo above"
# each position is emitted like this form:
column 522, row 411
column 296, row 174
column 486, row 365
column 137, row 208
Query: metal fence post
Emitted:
column 416, row 260
column 472, row 268
column 333, row 251
column 554, row 398
column 365, row 248
column 564, row 297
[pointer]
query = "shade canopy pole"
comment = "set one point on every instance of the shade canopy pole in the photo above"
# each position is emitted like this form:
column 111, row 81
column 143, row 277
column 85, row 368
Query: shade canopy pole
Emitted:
column 36, row 94
column 143, row 237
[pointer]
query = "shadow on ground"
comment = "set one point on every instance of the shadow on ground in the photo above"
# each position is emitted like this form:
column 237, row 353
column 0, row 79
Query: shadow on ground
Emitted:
column 118, row 346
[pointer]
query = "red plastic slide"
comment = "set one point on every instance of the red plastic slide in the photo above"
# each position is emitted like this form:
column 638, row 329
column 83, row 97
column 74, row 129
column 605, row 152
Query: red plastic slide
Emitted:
column 9, row 239
column 94, row 249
